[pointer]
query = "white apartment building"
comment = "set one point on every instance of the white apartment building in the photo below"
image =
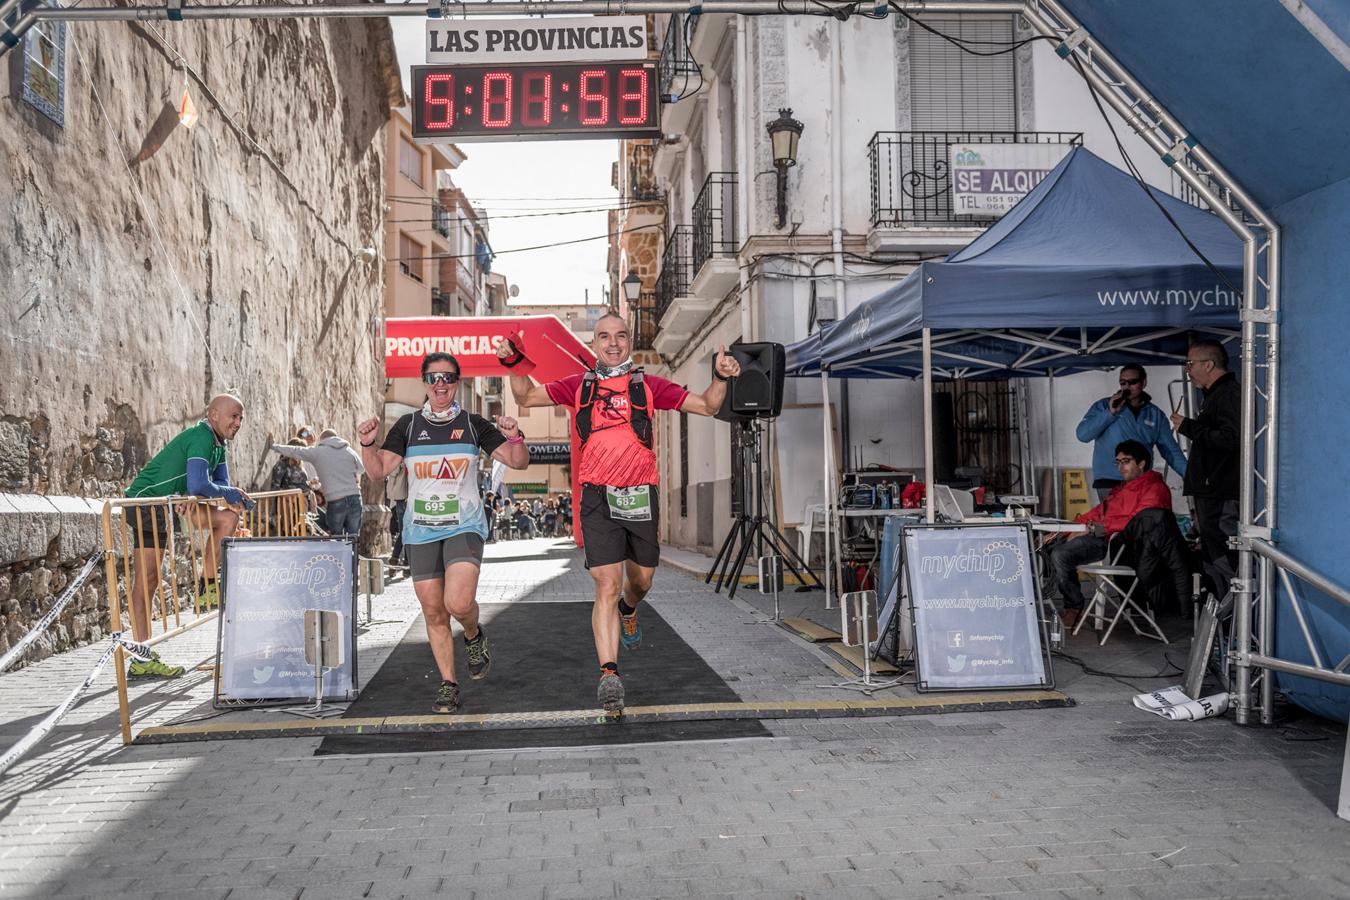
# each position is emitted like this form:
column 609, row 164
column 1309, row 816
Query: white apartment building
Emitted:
column 879, row 101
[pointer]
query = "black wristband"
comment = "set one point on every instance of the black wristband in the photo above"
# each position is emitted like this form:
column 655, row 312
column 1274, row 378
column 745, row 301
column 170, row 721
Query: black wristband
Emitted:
column 371, row 444
column 514, row 360
column 720, row 377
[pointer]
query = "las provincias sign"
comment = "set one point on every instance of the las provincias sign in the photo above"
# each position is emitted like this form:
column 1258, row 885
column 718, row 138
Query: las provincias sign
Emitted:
column 580, row 39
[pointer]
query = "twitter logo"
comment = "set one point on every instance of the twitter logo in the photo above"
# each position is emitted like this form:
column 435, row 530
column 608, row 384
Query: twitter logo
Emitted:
column 263, row 674
column 956, row 663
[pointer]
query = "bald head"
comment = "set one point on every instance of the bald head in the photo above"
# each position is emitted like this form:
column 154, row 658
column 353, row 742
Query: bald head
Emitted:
column 611, row 344
column 225, row 413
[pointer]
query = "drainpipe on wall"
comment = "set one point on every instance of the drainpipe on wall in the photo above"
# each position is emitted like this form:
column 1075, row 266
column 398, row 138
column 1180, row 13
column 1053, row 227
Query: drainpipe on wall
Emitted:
column 836, row 119
column 743, row 182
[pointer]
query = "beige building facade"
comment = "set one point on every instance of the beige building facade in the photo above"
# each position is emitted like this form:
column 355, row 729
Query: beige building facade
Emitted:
column 438, row 258
column 152, row 265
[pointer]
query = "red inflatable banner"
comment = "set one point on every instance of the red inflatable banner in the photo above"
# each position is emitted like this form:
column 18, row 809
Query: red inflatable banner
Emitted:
column 552, row 350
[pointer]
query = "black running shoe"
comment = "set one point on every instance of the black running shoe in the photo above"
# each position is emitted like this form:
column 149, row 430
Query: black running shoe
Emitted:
column 477, row 652
column 610, row 693
column 447, row 698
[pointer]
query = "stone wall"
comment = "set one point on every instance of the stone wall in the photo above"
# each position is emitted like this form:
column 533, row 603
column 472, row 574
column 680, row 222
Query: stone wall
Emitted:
column 142, row 281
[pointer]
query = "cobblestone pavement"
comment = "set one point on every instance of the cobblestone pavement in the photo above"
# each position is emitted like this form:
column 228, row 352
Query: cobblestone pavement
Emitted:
column 1099, row 800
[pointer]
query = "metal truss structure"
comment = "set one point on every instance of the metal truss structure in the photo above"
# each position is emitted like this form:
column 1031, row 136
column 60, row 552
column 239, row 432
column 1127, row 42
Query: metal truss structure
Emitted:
column 1263, row 568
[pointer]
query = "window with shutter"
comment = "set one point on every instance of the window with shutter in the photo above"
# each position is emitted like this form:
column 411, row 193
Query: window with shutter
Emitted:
column 410, row 160
column 410, row 257
column 952, row 90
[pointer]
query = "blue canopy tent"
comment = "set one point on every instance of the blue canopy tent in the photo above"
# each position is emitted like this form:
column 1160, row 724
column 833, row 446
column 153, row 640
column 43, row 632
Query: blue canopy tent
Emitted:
column 1085, row 272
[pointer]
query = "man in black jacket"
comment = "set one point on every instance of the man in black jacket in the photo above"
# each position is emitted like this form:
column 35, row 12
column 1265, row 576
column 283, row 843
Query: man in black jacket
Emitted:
column 1213, row 467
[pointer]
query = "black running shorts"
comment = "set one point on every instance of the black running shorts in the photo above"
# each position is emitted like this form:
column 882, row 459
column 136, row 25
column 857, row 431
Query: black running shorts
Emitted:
column 149, row 526
column 610, row 536
column 429, row 561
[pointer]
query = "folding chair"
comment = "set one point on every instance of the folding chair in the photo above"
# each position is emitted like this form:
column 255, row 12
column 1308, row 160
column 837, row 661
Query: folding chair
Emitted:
column 1109, row 598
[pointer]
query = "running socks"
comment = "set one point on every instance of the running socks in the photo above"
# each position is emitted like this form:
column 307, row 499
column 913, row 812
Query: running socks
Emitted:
column 624, row 608
column 609, row 667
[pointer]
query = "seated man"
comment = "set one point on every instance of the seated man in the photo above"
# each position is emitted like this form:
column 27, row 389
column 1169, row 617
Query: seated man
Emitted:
column 1140, row 489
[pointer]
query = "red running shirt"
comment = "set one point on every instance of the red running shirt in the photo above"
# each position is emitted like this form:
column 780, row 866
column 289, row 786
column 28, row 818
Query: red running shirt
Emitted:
column 613, row 455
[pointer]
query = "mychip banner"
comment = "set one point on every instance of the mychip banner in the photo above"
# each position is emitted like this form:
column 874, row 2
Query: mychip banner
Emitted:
column 269, row 584
column 977, row 621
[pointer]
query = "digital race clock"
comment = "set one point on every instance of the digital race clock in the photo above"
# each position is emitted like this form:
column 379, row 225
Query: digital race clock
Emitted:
column 535, row 102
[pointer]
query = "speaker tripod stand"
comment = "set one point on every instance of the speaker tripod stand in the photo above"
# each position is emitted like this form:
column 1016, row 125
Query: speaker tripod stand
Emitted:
column 755, row 531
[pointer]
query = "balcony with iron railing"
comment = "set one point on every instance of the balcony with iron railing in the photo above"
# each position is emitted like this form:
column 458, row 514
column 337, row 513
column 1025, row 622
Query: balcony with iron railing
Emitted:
column 714, row 242
column 678, row 71
column 440, row 220
column 911, row 178
column 678, row 308
column 679, row 76
column 1182, row 190
column 677, row 268
column 645, row 322
column 440, row 302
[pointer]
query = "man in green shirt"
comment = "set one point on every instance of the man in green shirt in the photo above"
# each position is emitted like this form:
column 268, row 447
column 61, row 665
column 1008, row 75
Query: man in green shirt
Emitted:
column 192, row 464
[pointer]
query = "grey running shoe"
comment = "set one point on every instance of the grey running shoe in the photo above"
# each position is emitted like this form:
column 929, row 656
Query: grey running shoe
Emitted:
column 479, row 660
column 610, row 693
column 630, row 632
column 447, row 698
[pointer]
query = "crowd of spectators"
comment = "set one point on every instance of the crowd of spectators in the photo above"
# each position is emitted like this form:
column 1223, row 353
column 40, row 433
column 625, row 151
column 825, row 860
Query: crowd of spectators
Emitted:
column 538, row 517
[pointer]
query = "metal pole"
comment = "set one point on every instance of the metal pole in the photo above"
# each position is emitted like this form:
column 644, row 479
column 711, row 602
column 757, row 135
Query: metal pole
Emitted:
column 1242, row 587
column 827, row 483
column 318, row 660
column 1054, row 466
column 928, row 491
column 487, row 9
column 1266, row 596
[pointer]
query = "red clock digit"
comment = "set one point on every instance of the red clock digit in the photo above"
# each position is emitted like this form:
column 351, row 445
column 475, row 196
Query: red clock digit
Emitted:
column 537, row 108
column 594, row 96
column 633, row 97
column 497, row 100
column 440, row 104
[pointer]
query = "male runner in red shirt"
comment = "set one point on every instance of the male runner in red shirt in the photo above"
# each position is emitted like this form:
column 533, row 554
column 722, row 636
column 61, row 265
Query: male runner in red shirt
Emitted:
column 618, row 473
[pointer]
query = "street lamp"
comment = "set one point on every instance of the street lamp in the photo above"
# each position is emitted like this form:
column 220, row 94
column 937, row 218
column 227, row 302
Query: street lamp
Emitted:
column 784, row 133
column 632, row 288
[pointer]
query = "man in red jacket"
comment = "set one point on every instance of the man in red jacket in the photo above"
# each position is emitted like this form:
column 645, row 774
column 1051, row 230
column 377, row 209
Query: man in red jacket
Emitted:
column 1140, row 489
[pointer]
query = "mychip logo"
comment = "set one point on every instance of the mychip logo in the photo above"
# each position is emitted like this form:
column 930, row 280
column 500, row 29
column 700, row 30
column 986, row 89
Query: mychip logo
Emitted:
column 1001, row 560
column 321, row 575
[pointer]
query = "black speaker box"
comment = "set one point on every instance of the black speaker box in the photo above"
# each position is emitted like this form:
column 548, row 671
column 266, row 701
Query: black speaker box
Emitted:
column 757, row 393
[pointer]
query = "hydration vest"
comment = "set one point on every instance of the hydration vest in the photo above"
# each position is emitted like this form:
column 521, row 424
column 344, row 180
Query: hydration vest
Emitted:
column 639, row 415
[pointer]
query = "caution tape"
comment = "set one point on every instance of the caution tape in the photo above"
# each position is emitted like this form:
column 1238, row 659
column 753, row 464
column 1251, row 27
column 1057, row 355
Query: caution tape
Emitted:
column 27, row 640
column 43, row 728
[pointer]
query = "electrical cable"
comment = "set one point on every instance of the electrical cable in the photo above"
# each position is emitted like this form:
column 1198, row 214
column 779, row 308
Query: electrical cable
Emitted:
column 961, row 43
column 688, row 34
column 488, row 218
column 620, row 203
column 1121, row 676
column 598, row 237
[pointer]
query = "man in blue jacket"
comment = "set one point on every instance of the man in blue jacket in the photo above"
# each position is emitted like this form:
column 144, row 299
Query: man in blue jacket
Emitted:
column 1127, row 415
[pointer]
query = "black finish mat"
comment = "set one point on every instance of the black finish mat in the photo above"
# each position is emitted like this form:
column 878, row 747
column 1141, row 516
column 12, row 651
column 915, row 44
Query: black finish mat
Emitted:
column 543, row 658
